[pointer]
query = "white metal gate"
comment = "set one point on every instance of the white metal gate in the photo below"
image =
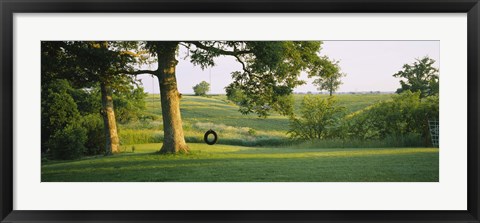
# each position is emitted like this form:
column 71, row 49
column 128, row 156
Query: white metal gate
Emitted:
column 434, row 129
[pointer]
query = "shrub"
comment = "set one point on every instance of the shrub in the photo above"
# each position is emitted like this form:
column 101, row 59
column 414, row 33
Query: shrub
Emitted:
column 68, row 143
column 58, row 110
column 320, row 118
column 403, row 117
column 95, row 143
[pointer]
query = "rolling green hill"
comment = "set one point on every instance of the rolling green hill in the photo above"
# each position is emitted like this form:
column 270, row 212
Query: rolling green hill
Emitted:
column 200, row 114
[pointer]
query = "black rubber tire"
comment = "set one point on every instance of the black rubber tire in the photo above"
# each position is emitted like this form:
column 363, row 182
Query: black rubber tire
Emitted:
column 205, row 137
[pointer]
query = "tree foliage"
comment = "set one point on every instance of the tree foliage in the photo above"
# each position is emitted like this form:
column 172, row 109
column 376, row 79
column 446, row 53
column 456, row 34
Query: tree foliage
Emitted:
column 234, row 94
column 270, row 69
column 201, row 88
column 93, row 124
column 320, row 119
column 87, row 63
column 401, row 121
column 75, row 70
column 406, row 114
column 329, row 77
column 420, row 76
column 92, row 64
column 129, row 103
column 63, row 137
column 68, row 143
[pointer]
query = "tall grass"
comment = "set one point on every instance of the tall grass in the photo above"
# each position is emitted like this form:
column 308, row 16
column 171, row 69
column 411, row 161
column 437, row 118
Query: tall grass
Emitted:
column 410, row 140
column 227, row 135
column 140, row 136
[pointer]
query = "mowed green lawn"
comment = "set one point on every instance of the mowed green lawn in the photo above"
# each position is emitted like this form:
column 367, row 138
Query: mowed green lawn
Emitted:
column 224, row 163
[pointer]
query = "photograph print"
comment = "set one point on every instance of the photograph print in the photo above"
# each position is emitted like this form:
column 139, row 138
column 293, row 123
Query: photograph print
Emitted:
column 240, row 111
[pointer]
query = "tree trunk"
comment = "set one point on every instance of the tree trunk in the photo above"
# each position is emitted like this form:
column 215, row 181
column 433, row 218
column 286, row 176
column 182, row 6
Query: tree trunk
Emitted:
column 174, row 140
column 112, row 144
column 331, row 80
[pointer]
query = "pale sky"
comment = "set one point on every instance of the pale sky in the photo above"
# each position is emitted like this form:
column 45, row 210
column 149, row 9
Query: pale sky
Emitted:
column 369, row 66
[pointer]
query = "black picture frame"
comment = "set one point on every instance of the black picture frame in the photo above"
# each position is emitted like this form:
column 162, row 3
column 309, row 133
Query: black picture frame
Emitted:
column 9, row 7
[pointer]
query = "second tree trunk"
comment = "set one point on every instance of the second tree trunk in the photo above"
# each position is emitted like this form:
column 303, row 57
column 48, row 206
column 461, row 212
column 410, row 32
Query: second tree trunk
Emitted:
column 112, row 144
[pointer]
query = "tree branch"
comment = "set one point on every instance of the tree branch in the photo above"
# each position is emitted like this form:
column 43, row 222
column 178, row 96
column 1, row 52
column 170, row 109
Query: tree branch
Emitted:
column 217, row 50
column 243, row 64
column 138, row 72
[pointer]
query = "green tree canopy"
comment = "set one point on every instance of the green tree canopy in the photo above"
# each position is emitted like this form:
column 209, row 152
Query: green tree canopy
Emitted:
column 420, row 76
column 270, row 71
column 201, row 88
column 329, row 77
column 86, row 64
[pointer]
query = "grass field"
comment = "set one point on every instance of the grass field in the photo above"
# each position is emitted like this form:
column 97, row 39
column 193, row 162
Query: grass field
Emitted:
column 223, row 163
column 249, row 149
column 200, row 114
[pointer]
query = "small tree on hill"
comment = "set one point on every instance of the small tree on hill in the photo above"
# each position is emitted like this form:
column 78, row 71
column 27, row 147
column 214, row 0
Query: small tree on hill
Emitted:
column 201, row 89
column 329, row 77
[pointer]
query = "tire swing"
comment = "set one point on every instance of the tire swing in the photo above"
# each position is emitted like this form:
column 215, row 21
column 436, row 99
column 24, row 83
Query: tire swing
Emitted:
column 205, row 137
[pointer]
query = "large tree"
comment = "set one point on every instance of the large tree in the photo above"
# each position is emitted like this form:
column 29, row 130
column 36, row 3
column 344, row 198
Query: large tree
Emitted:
column 420, row 76
column 87, row 63
column 270, row 72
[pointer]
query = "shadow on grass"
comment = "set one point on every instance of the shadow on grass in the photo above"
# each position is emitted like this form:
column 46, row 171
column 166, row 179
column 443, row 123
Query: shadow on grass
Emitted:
column 410, row 167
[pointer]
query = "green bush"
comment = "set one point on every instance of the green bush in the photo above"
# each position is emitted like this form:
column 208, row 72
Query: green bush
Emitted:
column 320, row 119
column 58, row 110
column 404, row 117
column 95, row 143
column 68, row 143
column 401, row 122
column 252, row 132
